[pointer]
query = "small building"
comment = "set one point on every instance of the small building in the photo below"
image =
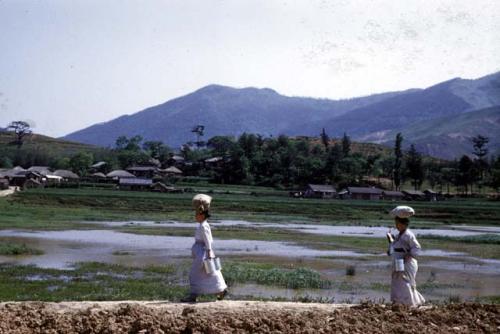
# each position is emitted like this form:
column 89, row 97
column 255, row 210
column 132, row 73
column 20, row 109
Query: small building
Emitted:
column 413, row 195
column 176, row 160
column 170, row 171
column 320, row 191
column 431, row 195
column 99, row 166
column 67, row 175
column 143, row 171
column 32, row 183
column 392, row 195
column 214, row 162
column 363, row 193
column 42, row 170
column 128, row 183
column 4, row 184
column 119, row 174
column 162, row 188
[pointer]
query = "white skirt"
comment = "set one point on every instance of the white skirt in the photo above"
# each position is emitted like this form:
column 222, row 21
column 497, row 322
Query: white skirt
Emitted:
column 404, row 287
column 200, row 282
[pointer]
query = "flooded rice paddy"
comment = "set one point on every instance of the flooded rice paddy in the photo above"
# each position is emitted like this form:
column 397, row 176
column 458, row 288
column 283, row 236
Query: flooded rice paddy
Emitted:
column 442, row 273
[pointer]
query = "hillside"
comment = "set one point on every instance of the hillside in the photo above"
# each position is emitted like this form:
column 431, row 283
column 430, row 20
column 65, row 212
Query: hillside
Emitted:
column 375, row 121
column 224, row 111
column 45, row 143
column 451, row 137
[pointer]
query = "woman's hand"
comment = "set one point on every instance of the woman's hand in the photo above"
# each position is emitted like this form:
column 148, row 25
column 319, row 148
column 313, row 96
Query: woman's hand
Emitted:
column 408, row 257
column 210, row 254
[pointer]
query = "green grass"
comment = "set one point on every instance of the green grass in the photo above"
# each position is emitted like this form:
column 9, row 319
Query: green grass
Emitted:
column 491, row 239
column 9, row 248
column 90, row 281
column 100, row 204
column 298, row 278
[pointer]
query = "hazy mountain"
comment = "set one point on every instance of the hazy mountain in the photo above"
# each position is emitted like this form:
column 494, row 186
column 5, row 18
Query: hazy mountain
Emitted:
column 374, row 122
column 418, row 113
column 224, row 111
column 451, row 137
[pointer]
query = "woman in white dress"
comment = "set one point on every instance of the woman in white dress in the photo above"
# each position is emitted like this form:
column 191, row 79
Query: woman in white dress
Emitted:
column 199, row 280
column 404, row 246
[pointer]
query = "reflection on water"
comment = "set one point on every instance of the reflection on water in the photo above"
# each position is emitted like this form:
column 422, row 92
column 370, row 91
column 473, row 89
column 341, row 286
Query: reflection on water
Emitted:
column 360, row 231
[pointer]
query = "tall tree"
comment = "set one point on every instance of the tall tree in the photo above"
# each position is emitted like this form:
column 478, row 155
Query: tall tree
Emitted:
column 199, row 130
column 479, row 143
column 465, row 175
column 21, row 130
column 414, row 167
column 346, row 145
column 80, row 162
column 398, row 160
column 325, row 140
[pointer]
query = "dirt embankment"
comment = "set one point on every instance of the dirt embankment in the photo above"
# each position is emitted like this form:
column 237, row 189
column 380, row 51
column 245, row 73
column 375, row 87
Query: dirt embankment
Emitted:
column 243, row 317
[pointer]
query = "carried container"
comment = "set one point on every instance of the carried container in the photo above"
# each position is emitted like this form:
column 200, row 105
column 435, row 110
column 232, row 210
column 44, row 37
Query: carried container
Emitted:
column 212, row 265
column 399, row 265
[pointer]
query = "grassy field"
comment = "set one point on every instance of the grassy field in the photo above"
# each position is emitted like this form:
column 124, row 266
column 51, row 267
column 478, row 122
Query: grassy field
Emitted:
column 59, row 206
column 54, row 209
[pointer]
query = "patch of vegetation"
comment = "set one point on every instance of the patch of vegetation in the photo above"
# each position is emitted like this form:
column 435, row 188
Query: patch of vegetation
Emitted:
column 8, row 248
column 492, row 239
column 289, row 278
column 90, row 281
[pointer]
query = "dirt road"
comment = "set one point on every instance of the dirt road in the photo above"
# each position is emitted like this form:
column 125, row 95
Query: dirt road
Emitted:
column 244, row 317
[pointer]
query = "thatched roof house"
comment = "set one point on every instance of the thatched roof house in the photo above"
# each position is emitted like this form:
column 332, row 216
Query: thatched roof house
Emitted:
column 320, row 191
column 43, row 170
column 119, row 174
column 392, row 195
column 365, row 193
column 171, row 170
column 66, row 174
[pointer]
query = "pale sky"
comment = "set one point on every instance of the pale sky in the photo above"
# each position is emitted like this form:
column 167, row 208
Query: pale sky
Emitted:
column 68, row 64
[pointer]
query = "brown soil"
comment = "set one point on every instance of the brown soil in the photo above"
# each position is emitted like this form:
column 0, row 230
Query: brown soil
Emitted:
column 244, row 317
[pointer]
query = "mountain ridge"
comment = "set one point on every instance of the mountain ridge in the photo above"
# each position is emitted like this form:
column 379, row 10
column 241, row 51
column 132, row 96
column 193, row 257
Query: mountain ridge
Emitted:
column 227, row 110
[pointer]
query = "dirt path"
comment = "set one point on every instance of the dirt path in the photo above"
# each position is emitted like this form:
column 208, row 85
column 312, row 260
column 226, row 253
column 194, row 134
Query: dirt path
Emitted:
column 244, row 317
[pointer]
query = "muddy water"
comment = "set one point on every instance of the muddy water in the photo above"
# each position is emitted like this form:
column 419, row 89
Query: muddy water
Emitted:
column 359, row 231
column 470, row 277
column 63, row 248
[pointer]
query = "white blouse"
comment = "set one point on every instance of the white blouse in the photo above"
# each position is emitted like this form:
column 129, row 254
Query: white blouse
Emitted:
column 204, row 234
column 408, row 242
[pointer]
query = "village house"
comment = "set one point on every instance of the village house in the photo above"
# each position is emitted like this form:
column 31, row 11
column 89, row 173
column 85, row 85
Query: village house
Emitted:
column 4, row 184
column 66, row 175
column 320, row 191
column 128, row 183
column 431, row 195
column 119, row 174
column 42, row 170
column 161, row 187
column 171, row 171
column 99, row 166
column 143, row 171
column 414, row 195
column 363, row 193
column 392, row 195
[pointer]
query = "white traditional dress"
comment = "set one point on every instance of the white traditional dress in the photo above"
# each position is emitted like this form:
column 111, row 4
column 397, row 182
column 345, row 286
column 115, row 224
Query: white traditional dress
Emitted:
column 201, row 282
column 403, row 285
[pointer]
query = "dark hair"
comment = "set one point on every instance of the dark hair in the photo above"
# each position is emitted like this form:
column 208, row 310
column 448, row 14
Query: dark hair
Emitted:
column 206, row 214
column 404, row 221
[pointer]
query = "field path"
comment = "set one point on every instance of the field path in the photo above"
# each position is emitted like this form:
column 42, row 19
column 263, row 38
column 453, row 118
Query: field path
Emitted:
column 244, row 317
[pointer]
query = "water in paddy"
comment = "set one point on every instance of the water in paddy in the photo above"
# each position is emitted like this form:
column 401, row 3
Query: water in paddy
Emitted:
column 357, row 231
column 442, row 274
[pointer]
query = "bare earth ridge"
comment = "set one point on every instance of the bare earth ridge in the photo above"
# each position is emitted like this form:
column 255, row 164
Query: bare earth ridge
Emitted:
column 244, row 317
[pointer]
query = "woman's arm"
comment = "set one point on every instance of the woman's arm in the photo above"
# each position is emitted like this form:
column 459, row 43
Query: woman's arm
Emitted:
column 207, row 239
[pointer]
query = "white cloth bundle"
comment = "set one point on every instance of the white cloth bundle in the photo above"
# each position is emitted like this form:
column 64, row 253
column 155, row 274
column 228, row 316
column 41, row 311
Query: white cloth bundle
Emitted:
column 402, row 211
column 201, row 202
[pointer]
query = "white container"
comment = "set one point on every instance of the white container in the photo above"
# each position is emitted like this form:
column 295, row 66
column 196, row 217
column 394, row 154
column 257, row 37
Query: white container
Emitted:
column 212, row 265
column 209, row 266
column 218, row 266
column 399, row 265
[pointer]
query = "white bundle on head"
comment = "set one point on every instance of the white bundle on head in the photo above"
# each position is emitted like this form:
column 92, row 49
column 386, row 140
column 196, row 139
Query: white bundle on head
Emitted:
column 402, row 211
column 201, row 202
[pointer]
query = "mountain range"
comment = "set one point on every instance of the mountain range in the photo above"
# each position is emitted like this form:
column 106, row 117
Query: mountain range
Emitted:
column 439, row 120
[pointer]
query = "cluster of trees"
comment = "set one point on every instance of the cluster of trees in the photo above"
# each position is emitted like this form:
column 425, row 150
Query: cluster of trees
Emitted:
column 280, row 161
